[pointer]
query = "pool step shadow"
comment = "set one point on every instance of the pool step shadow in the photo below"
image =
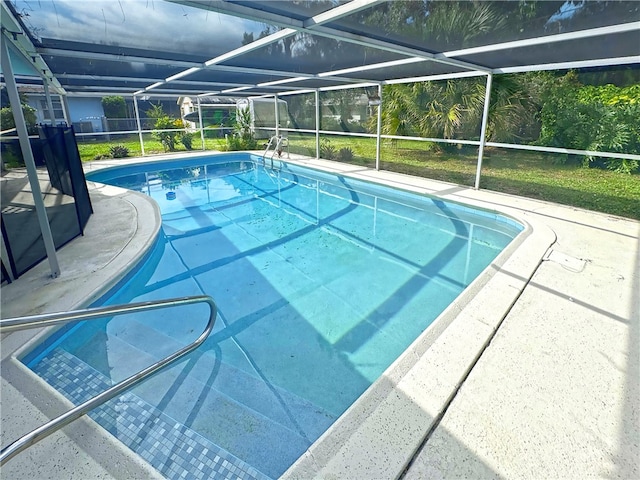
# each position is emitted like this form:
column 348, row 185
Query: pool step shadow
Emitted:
column 213, row 398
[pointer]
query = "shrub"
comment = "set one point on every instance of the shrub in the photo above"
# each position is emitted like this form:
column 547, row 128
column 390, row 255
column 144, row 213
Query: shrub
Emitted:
column 7, row 121
column 186, row 138
column 236, row 142
column 243, row 123
column 327, row 150
column 593, row 118
column 167, row 139
column 11, row 160
column 162, row 121
column 243, row 137
column 345, row 154
column 118, row 151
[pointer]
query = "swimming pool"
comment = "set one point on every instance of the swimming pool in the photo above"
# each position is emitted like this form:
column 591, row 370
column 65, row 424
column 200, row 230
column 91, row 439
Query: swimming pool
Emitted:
column 321, row 281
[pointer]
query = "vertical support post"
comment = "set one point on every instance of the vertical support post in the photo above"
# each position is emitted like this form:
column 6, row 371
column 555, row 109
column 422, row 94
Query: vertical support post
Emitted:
column 65, row 109
column 29, row 162
column 201, row 124
column 483, row 131
column 317, row 124
column 137, row 112
column 47, row 96
column 379, row 128
column 275, row 97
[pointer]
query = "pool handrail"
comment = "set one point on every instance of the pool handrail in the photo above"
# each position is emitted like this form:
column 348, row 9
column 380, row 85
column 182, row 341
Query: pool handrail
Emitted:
column 48, row 319
column 280, row 143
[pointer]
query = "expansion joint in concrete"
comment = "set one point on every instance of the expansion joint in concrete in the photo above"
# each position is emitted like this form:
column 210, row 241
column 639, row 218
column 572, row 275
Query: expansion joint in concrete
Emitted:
column 454, row 393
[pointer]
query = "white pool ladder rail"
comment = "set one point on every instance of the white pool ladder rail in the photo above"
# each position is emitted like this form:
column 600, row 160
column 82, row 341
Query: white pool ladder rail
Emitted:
column 279, row 143
column 48, row 319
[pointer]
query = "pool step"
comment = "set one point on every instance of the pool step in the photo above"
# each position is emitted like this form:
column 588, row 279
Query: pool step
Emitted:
column 281, row 406
column 173, row 449
column 211, row 397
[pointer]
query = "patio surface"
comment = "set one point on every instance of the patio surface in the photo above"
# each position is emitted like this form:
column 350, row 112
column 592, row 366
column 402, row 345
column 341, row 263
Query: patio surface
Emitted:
column 536, row 376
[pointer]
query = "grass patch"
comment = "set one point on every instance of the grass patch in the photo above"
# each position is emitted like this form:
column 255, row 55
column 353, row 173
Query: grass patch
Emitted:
column 91, row 149
column 528, row 174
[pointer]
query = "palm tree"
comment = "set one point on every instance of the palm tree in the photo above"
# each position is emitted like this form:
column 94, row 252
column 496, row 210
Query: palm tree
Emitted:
column 432, row 109
column 514, row 108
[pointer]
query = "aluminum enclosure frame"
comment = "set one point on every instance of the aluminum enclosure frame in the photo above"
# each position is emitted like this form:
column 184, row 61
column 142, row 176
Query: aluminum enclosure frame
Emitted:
column 286, row 81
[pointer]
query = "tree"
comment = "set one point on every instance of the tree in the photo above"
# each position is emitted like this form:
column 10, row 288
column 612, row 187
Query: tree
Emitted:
column 514, row 108
column 114, row 107
column 433, row 109
column 247, row 38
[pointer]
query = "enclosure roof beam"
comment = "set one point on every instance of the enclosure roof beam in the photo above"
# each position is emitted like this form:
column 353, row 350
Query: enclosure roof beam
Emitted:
column 445, row 57
column 601, row 62
column 19, row 39
column 317, row 27
column 110, row 78
column 274, row 37
column 112, row 57
column 345, row 9
column 394, row 48
column 546, row 40
column 339, row 12
column 193, row 93
column 433, row 78
column 185, row 83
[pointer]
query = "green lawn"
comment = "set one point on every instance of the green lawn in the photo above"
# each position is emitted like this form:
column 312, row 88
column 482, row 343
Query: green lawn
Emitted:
column 529, row 174
column 91, row 149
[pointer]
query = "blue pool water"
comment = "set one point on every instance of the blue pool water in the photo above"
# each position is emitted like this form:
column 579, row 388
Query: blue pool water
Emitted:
column 321, row 282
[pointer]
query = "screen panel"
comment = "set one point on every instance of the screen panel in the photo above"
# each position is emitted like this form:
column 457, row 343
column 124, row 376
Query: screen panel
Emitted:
column 305, row 53
column 440, row 26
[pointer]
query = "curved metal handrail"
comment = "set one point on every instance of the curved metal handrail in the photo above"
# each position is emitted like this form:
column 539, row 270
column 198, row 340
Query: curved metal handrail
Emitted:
column 33, row 321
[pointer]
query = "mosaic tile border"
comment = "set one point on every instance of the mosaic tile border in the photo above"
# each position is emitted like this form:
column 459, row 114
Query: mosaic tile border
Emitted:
column 173, row 449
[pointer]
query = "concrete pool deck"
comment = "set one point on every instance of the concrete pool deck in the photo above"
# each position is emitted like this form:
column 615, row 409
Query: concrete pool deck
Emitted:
column 535, row 376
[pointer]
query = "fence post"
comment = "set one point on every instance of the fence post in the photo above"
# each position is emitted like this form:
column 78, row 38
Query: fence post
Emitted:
column 65, row 109
column 483, row 131
column 104, row 121
column 275, row 99
column 201, row 124
column 135, row 107
column 47, row 96
column 379, row 127
column 317, row 124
